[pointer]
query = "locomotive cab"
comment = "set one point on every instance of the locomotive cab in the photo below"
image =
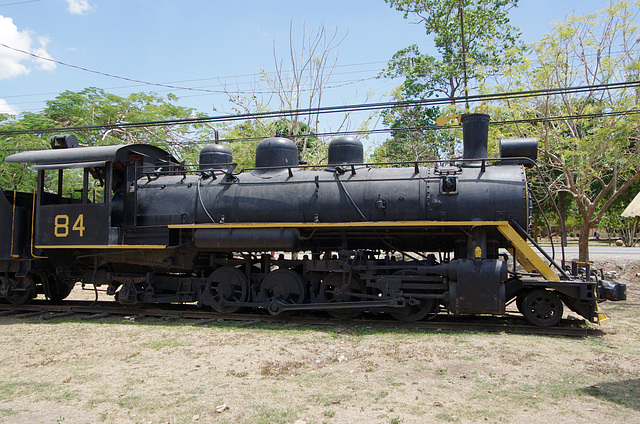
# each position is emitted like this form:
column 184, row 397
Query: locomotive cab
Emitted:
column 93, row 198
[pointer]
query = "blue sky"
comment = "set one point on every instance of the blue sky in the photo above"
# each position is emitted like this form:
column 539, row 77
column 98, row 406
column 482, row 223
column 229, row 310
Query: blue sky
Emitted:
column 208, row 44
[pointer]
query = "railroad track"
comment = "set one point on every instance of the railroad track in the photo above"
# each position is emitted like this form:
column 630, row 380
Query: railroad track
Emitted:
column 88, row 310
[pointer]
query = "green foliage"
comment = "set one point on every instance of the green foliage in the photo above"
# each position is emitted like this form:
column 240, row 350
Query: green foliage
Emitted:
column 20, row 175
column 473, row 39
column 312, row 149
column 594, row 160
column 488, row 41
column 94, row 107
column 625, row 228
column 412, row 136
column 244, row 137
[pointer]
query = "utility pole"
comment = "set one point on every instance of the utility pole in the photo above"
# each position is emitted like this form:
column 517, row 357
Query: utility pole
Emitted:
column 464, row 56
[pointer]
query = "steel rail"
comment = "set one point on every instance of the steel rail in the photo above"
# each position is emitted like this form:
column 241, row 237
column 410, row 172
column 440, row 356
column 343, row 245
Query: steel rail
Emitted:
column 512, row 324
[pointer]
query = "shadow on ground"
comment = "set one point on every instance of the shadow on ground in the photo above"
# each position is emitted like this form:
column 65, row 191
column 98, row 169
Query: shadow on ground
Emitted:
column 624, row 393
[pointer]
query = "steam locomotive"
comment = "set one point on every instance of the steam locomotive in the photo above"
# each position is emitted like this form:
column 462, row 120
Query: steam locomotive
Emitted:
column 345, row 238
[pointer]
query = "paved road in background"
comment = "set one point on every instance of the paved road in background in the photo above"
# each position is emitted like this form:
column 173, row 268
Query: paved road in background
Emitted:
column 572, row 251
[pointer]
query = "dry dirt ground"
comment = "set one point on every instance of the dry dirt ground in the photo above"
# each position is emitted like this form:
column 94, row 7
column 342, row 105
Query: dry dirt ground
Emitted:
column 117, row 370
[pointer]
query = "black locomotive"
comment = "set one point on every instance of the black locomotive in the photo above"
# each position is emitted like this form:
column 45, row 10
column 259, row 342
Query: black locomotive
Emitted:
column 345, row 238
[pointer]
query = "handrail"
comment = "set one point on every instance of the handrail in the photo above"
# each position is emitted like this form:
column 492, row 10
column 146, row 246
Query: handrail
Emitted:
column 526, row 235
column 13, row 222
column 33, row 220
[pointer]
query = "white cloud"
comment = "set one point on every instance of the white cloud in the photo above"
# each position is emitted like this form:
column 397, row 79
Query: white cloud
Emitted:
column 10, row 65
column 79, row 7
column 15, row 63
column 44, row 64
column 6, row 108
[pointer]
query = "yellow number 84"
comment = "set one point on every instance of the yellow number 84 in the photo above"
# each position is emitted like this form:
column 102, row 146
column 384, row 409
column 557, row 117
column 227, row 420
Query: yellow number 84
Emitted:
column 61, row 225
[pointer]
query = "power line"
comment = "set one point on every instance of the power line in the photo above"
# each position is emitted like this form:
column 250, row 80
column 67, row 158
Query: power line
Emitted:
column 336, row 84
column 221, row 83
column 336, row 109
column 364, row 133
column 204, row 89
column 170, row 86
column 20, row 2
column 105, row 73
column 441, row 127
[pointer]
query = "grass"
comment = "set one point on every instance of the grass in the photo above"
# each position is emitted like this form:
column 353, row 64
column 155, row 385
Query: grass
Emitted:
column 264, row 414
column 130, row 402
column 164, row 343
column 7, row 412
column 10, row 390
column 328, row 399
column 281, row 368
column 447, row 417
column 377, row 397
column 274, row 373
column 624, row 393
column 441, row 371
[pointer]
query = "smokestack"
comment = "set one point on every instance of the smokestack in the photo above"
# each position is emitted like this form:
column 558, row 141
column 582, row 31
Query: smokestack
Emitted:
column 475, row 135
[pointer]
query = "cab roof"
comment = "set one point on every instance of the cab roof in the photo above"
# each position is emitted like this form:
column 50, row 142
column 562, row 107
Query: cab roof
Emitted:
column 78, row 157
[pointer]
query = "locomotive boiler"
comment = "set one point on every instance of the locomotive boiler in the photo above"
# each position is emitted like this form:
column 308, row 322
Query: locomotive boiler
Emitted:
column 344, row 238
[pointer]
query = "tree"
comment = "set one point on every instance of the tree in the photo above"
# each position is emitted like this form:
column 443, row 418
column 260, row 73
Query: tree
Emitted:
column 15, row 174
column 411, row 135
column 299, row 82
column 473, row 40
column 243, row 138
column 94, row 107
column 618, row 226
column 589, row 140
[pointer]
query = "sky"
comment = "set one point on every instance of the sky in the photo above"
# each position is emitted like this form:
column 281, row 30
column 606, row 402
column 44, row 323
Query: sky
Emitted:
column 210, row 45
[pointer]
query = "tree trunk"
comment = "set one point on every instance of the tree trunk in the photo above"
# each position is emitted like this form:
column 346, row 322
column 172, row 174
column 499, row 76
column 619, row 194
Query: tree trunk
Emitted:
column 583, row 243
column 562, row 209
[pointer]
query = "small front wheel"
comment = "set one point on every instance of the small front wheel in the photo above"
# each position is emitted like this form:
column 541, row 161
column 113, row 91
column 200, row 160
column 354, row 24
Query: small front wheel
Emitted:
column 542, row 308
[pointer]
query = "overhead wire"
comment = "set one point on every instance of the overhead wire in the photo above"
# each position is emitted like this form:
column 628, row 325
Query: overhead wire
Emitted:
column 208, row 89
column 105, row 74
column 134, row 80
column 364, row 133
column 336, row 84
column 20, row 2
column 339, row 109
column 318, row 110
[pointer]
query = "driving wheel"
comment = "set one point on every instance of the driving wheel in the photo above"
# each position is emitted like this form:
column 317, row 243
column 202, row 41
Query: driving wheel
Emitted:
column 412, row 313
column 335, row 288
column 225, row 285
column 283, row 285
